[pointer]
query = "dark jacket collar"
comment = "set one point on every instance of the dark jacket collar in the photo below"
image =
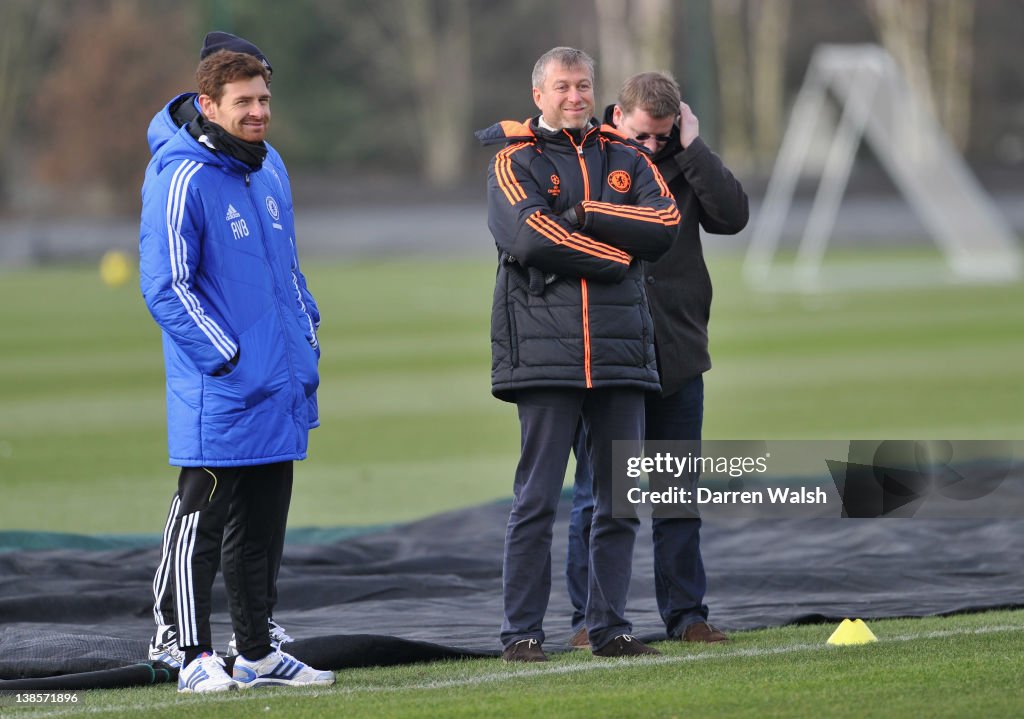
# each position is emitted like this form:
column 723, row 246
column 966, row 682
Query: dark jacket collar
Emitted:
column 672, row 148
column 570, row 139
column 511, row 131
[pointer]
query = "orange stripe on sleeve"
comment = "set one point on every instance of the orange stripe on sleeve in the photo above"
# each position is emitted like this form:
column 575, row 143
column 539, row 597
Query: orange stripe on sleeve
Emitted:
column 507, row 181
column 512, row 186
column 578, row 240
column 657, row 176
column 584, row 240
column 557, row 234
column 572, row 242
column 511, row 173
column 667, row 217
column 502, row 178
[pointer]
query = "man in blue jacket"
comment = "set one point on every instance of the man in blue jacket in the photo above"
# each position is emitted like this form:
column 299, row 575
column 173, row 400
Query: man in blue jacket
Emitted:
column 219, row 273
column 179, row 112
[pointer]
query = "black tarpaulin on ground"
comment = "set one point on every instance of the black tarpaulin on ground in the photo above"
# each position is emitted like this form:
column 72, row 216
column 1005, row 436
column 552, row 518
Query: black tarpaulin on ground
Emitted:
column 432, row 589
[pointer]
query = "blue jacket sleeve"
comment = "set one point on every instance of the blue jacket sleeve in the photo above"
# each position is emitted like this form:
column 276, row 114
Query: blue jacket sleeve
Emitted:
column 309, row 313
column 645, row 229
column 525, row 228
column 170, row 250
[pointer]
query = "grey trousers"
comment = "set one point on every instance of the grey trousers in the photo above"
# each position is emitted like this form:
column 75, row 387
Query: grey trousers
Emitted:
column 548, row 419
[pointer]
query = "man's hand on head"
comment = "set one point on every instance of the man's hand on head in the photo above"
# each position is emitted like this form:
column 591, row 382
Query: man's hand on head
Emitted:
column 689, row 126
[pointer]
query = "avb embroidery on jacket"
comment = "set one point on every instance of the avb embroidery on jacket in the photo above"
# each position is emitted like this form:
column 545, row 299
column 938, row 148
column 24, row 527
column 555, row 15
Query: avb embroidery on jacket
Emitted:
column 619, row 181
column 238, row 227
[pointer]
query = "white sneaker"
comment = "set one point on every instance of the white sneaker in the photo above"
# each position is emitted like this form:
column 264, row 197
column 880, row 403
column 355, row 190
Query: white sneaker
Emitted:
column 278, row 636
column 163, row 647
column 278, row 669
column 205, row 674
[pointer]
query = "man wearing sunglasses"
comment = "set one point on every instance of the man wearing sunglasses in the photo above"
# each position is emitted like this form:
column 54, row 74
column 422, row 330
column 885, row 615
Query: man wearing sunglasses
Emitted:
column 650, row 111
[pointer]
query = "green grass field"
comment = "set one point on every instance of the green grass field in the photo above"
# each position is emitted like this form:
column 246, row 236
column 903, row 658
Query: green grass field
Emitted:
column 410, row 429
column 964, row 666
column 409, row 426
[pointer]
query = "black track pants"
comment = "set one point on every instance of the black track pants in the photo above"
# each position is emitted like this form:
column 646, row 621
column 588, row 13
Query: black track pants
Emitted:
column 163, row 581
column 242, row 511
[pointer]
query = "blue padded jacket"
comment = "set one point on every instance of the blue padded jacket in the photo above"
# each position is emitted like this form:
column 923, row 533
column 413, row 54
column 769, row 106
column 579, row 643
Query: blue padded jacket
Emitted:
column 166, row 123
column 220, row 275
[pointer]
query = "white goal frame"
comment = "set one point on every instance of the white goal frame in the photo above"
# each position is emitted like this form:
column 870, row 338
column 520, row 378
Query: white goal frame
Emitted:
column 877, row 105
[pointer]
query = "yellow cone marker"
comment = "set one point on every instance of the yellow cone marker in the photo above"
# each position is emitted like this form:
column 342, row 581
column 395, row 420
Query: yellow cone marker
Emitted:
column 115, row 268
column 855, row 632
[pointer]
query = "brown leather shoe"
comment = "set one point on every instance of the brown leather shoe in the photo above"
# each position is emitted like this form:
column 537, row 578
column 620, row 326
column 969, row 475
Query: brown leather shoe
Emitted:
column 525, row 650
column 580, row 640
column 624, row 645
column 704, row 633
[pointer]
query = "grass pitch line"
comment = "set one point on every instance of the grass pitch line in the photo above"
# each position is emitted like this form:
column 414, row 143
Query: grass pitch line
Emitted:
column 504, row 676
column 606, row 665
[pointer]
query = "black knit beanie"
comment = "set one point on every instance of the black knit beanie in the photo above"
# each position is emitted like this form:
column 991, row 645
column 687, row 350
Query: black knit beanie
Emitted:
column 218, row 40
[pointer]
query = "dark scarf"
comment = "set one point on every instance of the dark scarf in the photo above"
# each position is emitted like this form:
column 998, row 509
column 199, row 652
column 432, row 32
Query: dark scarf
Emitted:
column 251, row 154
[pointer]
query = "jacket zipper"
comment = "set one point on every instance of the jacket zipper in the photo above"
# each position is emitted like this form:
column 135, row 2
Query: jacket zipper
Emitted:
column 586, row 334
column 583, row 163
column 265, row 237
column 583, row 282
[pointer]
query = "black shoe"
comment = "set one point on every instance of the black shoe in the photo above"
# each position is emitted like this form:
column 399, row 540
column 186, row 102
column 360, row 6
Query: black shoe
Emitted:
column 525, row 650
column 624, row 645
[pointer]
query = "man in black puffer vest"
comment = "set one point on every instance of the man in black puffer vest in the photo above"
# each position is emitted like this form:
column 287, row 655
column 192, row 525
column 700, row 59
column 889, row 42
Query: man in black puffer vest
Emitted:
column 574, row 207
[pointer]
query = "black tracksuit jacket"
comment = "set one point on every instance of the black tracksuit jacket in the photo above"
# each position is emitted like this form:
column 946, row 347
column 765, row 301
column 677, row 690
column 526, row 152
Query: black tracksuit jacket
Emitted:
column 583, row 321
column 678, row 283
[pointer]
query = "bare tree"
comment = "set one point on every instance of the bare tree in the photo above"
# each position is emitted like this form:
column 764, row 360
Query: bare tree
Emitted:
column 727, row 24
column 617, row 60
column 23, row 26
column 952, row 54
column 769, row 30
column 903, row 28
column 652, row 29
column 17, row 23
column 97, row 98
column 937, row 64
column 633, row 36
column 436, row 43
column 425, row 48
column 750, row 51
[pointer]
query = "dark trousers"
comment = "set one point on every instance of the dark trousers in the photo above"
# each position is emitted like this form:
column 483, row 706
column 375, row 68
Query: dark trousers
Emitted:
column 680, row 581
column 238, row 512
column 548, row 419
column 163, row 581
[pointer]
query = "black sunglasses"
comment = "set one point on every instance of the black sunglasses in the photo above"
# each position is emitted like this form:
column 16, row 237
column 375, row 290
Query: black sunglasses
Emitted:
column 645, row 136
